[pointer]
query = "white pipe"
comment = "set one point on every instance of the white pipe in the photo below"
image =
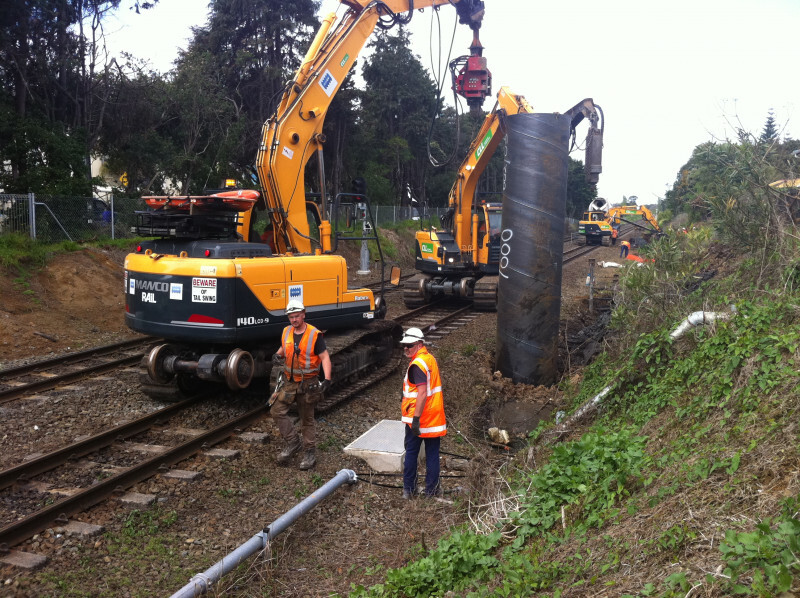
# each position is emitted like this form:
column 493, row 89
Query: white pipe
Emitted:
column 200, row 583
column 609, row 264
column 586, row 408
column 693, row 319
column 701, row 317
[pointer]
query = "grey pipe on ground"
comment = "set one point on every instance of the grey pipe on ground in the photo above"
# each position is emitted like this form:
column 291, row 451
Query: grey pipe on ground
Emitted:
column 202, row 582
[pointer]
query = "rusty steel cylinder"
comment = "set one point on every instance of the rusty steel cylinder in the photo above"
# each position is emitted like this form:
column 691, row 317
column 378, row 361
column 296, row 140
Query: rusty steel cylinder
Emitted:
column 534, row 205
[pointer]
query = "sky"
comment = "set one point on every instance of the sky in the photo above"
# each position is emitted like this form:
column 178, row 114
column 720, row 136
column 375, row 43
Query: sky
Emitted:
column 668, row 75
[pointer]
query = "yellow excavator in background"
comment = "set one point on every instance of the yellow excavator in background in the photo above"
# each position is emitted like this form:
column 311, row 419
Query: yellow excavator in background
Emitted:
column 600, row 221
column 216, row 294
column 462, row 259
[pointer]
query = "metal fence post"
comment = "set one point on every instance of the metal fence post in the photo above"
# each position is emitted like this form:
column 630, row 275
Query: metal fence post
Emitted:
column 32, row 215
column 112, row 216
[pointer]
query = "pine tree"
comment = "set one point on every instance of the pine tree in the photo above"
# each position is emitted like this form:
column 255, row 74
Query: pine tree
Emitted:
column 770, row 131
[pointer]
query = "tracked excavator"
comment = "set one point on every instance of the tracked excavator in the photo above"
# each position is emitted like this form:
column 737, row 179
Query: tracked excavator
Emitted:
column 600, row 221
column 462, row 258
column 216, row 293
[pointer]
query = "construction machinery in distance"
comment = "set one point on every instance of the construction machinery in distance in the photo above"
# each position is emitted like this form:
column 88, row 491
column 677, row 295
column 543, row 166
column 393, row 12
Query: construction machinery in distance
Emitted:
column 216, row 293
column 600, row 221
column 462, row 258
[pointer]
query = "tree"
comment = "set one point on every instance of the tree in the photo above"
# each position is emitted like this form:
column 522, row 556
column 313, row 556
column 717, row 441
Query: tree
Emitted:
column 396, row 108
column 250, row 48
column 57, row 85
column 770, row 132
column 135, row 139
column 579, row 193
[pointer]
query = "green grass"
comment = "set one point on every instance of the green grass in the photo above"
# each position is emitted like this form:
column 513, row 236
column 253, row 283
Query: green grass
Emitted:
column 683, row 440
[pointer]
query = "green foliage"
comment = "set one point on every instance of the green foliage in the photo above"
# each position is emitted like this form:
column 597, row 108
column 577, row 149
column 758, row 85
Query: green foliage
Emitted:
column 458, row 561
column 390, row 250
column 579, row 193
column 145, row 523
column 597, row 471
column 18, row 250
column 767, row 556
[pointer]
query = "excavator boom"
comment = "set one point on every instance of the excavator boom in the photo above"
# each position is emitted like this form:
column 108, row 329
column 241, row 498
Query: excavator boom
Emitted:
column 463, row 259
column 293, row 134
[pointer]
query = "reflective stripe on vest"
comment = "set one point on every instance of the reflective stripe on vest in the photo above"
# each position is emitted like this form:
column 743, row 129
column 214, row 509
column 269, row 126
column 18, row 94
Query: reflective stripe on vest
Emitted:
column 432, row 421
column 306, row 363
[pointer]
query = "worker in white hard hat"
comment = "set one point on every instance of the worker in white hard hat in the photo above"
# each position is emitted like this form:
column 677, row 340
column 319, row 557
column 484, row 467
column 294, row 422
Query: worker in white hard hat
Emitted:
column 423, row 411
column 301, row 355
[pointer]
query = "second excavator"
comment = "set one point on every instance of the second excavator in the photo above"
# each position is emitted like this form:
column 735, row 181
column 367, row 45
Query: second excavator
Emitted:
column 462, row 258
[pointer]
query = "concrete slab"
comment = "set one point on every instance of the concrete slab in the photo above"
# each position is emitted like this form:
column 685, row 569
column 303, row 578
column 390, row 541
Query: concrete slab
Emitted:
column 23, row 560
column 64, row 491
column 382, row 446
column 182, row 475
column 153, row 449
column 222, row 454
column 137, row 500
column 184, row 431
column 35, row 398
column 255, row 437
column 85, row 530
column 36, row 486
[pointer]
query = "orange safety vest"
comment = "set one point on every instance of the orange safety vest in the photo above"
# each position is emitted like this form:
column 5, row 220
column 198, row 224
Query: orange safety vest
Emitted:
column 626, row 244
column 614, row 233
column 304, row 365
column 432, row 422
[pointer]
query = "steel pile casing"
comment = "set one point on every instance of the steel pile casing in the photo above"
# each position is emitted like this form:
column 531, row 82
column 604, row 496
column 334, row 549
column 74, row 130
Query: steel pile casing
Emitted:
column 534, row 205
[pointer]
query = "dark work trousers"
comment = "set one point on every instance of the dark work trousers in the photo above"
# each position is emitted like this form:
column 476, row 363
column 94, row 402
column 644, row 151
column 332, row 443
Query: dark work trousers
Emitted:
column 412, row 445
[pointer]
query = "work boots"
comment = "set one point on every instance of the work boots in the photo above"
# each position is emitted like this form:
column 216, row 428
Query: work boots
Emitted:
column 309, row 460
column 286, row 454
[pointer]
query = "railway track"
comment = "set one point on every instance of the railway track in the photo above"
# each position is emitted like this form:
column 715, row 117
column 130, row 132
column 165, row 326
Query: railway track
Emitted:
column 437, row 320
column 50, row 373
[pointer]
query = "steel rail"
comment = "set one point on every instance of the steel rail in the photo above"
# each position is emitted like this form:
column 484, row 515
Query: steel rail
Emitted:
column 28, row 469
column 59, row 512
column 75, row 356
column 15, row 392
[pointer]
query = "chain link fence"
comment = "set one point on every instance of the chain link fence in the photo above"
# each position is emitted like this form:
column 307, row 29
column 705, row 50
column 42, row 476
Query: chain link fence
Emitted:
column 55, row 218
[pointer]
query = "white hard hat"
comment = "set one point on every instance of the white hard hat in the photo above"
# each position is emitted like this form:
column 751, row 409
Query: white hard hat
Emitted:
column 294, row 306
column 411, row 336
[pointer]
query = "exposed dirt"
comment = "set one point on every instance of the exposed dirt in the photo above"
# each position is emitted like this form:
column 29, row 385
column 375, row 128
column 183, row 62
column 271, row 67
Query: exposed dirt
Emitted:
column 76, row 302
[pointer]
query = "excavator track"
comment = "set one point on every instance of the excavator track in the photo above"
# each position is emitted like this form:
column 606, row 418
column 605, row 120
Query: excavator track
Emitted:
column 414, row 294
column 484, row 294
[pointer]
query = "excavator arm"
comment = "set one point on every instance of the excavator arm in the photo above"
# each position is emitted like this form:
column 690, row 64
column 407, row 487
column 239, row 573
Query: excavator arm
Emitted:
column 617, row 214
column 293, row 134
column 463, row 197
column 587, row 109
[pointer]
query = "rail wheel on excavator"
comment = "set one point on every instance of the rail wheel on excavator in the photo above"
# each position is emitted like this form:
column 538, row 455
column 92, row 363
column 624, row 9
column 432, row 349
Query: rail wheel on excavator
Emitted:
column 414, row 291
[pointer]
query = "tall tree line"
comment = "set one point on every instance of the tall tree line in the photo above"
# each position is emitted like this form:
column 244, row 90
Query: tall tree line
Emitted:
column 63, row 101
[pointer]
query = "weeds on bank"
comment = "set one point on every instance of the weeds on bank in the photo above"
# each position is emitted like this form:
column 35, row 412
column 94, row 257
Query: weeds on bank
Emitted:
column 686, row 422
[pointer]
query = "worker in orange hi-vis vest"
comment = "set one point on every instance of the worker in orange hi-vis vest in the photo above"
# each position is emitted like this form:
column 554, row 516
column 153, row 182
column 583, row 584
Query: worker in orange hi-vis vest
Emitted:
column 624, row 248
column 423, row 412
column 301, row 356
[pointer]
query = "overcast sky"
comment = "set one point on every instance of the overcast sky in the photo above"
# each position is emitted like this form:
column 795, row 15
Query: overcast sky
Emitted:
column 667, row 75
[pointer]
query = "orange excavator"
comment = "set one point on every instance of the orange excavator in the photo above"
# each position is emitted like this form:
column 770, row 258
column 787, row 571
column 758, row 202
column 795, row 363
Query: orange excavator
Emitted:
column 216, row 295
column 462, row 258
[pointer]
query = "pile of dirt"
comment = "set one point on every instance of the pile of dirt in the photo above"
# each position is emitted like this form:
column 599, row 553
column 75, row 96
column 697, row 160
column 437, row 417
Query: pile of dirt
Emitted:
column 74, row 302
